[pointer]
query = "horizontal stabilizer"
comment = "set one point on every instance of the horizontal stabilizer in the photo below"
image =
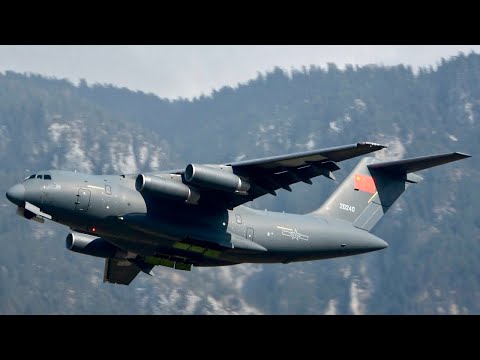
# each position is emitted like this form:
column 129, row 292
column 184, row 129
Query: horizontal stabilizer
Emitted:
column 405, row 166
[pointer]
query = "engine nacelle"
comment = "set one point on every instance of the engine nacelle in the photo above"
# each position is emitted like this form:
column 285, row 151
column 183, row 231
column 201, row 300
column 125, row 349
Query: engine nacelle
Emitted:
column 170, row 189
column 90, row 245
column 222, row 179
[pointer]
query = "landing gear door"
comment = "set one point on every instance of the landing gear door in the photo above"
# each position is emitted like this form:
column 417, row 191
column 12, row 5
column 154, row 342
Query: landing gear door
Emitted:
column 83, row 200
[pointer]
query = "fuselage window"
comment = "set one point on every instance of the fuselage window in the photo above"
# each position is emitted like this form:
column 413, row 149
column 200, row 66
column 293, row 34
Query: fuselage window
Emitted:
column 239, row 219
column 39, row 176
column 47, row 177
column 108, row 190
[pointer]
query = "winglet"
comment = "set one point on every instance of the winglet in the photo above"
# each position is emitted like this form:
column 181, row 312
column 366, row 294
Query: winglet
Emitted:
column 462, row 155
column 367, row 143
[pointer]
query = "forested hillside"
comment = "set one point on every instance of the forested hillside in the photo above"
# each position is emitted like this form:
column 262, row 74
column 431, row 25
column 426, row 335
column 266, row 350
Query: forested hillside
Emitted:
column 433, row 230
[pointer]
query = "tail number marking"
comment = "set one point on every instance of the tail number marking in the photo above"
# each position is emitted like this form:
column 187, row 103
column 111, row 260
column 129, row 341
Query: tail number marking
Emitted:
column 347, row 207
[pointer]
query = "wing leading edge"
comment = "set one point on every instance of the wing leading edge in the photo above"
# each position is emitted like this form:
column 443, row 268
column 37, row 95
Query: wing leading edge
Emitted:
column 335, row 154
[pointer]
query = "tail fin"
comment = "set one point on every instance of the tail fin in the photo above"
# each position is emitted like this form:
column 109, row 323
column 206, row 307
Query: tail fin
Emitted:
column 372, row 187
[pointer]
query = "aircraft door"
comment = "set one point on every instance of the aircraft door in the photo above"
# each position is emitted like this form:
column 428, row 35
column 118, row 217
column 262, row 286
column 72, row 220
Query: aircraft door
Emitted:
column 249, row 234
column 83, row 200
column 44, row 197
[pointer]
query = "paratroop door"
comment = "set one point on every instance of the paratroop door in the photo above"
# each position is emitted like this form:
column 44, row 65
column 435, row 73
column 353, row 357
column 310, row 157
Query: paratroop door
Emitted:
column 83, row 200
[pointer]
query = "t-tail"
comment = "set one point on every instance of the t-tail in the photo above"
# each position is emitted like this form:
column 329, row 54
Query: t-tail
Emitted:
column 372, row 188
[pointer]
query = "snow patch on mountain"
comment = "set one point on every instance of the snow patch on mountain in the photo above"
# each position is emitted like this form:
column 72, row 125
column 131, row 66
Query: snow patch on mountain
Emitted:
column 468, row 107
column 346, row 271
column 76, row 156
column 360, row 105
column 156, row 157
column 267, row 135
column 331, row 308
column 395, row 149
column 143, row 154
column 310, row 144
column 334, row 127
column 123, row 157
column 233, row 276
column 78, row 149
column 361, row 288
column 446, row 208
column 70, row 138
column 56, row 130
column 453, row 310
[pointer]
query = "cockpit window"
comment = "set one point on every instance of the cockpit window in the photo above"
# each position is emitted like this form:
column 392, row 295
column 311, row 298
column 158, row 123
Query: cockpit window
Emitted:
column 39, row 176
column 32, row 176
column 47, row 177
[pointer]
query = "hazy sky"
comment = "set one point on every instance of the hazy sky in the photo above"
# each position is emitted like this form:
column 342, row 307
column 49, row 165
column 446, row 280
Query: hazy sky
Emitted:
column 186, row 71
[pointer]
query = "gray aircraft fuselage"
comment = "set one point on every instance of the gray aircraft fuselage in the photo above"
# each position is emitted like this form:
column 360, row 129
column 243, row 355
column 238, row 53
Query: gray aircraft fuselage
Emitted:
column 110, row 207
column 196, row 216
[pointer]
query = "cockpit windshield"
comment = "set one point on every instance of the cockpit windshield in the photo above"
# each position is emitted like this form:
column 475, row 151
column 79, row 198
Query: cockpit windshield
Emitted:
column 39, row 176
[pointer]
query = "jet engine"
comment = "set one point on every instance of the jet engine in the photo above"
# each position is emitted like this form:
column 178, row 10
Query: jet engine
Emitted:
column 90, row 245
column 161, row 187
column 222, row 178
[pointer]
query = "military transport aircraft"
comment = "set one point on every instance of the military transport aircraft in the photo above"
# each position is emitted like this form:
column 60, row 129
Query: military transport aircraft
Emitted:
column 195, row 217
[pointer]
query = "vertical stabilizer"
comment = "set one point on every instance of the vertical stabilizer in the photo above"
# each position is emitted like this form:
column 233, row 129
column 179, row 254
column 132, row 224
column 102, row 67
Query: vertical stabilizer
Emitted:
column 372, row 187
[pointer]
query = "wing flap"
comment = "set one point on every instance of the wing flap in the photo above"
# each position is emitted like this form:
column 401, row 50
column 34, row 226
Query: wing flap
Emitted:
column 120, row 271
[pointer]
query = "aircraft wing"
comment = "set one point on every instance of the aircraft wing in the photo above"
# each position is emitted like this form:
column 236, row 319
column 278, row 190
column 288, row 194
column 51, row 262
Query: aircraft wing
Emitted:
column 269, row 174
column 278, row 172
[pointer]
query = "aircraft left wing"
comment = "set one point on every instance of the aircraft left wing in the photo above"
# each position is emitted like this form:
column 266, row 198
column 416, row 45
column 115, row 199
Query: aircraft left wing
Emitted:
column 266, row 175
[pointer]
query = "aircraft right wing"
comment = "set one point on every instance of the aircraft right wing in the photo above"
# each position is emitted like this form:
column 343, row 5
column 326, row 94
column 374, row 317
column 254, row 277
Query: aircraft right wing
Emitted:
column 279, row 172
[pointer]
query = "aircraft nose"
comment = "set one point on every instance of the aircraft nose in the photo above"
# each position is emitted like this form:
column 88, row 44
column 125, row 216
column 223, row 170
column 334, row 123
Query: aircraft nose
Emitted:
column 16, row 194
